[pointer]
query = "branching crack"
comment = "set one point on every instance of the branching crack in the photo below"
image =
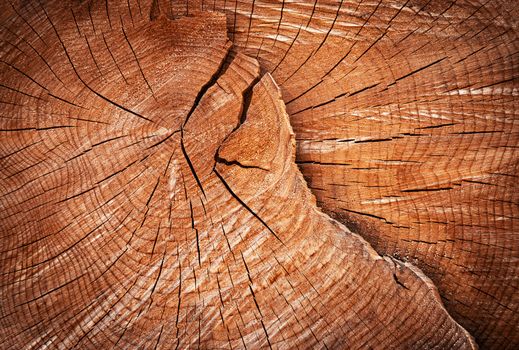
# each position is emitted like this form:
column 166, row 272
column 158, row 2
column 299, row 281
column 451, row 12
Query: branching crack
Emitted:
column 221, row 70
column 83, row 82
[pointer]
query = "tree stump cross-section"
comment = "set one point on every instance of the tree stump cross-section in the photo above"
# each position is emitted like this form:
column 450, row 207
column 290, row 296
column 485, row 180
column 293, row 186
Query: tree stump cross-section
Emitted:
column 151, row 198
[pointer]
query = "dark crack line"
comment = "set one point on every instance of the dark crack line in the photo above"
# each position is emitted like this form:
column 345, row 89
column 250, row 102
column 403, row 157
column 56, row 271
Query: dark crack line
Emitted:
column 237, row 163
column 235, row 196
column 20, row 92
column 90, row 16
column 164, row 139
column 137, row 60
column 179, row 298
column 398, row 282
column 212, row 81
column 250, row 22
column 75, row 21
column 37, row 53
column 191, row 167
column 93, row 57
column 24, row 74
column 418, row 70
column 369, row 215
column 288, row 50
column 26, row 22
column 246, row 98
column 428, row 189
column 219, row 72
column 69, row 102
column 255, row 300
column 193, row 227
column 113, row 59
column 84, row 83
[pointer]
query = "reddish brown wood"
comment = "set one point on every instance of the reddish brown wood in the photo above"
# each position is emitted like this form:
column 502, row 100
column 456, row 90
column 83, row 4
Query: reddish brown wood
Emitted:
column 406, row 120
column 151, row 199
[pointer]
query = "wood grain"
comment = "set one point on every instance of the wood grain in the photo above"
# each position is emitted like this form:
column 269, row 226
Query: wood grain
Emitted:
column 406, row 122
column 150, row 199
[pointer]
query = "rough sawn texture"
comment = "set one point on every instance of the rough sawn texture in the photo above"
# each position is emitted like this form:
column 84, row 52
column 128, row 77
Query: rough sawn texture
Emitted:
column 150, row 198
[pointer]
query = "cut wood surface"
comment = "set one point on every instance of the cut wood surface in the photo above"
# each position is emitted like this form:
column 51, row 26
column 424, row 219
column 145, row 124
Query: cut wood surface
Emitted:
column 406, row 121
column 151, row 199
column 150, row 196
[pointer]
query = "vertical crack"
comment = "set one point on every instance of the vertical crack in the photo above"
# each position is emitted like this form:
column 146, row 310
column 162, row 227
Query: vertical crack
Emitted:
column 196, row 232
